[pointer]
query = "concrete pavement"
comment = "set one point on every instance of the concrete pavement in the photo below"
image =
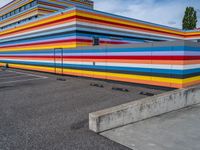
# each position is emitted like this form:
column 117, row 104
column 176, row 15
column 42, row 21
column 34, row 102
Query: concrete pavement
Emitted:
column 178, row 130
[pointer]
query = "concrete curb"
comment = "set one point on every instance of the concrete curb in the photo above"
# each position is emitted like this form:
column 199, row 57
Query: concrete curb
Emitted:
column 142, row 109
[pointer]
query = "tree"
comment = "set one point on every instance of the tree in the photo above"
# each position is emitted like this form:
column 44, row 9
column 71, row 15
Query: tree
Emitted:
column 190, row 19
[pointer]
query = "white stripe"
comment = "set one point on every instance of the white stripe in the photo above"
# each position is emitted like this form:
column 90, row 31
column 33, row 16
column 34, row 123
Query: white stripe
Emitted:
column 44, row 29
column 13, row 77
column 28, row 74
column 153, row 66
column 120, row 29
column 21, row 80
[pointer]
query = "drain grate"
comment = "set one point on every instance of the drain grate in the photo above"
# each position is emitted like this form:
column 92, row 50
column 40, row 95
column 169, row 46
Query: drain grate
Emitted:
column 120, row 89
column 147, row 93
column 96, row 85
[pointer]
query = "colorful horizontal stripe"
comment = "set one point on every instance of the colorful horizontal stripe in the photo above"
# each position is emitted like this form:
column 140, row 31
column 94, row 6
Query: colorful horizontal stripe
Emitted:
column 61, row 43
column 114, row 60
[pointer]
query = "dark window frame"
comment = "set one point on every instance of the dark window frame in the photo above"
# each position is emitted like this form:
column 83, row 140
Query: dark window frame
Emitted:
column 96, row 41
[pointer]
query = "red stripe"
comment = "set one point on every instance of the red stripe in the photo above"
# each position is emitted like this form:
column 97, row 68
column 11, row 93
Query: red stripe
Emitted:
column 65, row 19
column 92, row 19
column 112, row 42
column 63, row 41
column 130, row 26
column 116, row 57
column 54, row 5
column 49, row 42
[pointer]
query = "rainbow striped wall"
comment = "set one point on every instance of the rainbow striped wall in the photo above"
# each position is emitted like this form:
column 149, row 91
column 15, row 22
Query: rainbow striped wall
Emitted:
column 77, row 26
column 13, row 15
column 171, row 64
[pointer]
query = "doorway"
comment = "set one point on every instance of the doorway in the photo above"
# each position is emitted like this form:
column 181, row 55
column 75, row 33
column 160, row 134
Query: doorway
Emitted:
column 58, row 61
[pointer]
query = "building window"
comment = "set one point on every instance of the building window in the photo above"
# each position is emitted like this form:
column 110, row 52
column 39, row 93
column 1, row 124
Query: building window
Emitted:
column 12, row 13
column 16, row 11
column 22, row 8
column 19, row 22
column 28, row 6
column 96, row 41
column 33, row 3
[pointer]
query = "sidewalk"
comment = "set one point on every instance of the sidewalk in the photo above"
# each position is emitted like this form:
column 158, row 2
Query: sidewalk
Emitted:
column 178, row 130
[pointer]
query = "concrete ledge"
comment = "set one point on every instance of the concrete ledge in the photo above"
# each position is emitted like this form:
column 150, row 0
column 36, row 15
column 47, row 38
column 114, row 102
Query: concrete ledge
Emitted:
column 142, row 109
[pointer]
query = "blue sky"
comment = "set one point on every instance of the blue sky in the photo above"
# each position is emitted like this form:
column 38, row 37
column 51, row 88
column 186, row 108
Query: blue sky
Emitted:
column 165, row 12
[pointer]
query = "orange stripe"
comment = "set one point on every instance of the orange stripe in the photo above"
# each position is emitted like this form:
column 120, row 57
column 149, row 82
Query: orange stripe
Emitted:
column 190, row 84
column 121, row 61
column 44, row 26
column 57, row 44
column 159, row 29
column 13, row 3
column 129, row 28
column 36, row 23
column 51, row 70
column 19, row 17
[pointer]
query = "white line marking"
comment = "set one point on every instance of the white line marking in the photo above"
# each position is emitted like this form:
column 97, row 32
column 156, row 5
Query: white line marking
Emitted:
column 28, row 74
column 8, row 75
column 13, row 77
column 21, row 80
column 21, row 74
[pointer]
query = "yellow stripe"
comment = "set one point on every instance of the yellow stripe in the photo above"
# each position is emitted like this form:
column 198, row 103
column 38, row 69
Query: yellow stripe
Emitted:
column 192, row 79
column 105, row 18
column 15, row 7
column 101, row 17
column 26, row 14
column 128, row 76
column 192, row 33
column 2, row 64
column 95, row 73
column 40, row 22
column 71, row 45
column 31, row 67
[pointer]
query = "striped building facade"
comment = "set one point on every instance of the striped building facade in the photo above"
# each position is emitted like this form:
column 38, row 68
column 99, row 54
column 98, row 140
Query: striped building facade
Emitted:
column 22, row 11
column 65, row 42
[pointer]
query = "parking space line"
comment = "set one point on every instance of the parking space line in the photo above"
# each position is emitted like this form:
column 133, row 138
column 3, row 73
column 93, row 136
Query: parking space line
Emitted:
column 28, row 74
column 9, row 75
column 6, row 73
column 13, row 77
column 21, row 80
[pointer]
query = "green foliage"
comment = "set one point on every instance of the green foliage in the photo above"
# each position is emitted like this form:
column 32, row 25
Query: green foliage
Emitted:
column 190, row 19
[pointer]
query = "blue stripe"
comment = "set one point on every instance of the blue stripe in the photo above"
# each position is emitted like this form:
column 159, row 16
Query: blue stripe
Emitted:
column 147, row 49
column 145, row 70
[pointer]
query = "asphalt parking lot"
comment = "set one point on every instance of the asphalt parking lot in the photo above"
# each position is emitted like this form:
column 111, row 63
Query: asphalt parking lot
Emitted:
column 37, row 111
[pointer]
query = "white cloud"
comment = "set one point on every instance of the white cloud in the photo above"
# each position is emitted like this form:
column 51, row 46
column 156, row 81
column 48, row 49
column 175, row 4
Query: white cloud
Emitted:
column 165, row 12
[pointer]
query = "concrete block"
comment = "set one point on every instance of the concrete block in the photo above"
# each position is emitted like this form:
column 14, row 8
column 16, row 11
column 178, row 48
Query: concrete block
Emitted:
column 142, row 109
